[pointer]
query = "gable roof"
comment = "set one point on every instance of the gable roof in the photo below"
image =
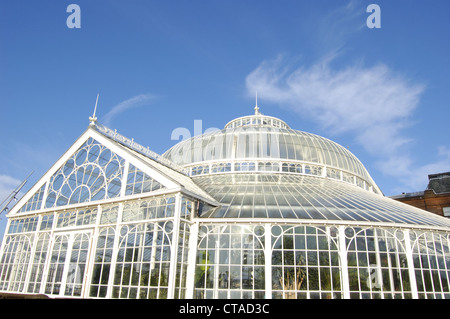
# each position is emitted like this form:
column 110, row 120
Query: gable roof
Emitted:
column 168, row 175
column 167, row 168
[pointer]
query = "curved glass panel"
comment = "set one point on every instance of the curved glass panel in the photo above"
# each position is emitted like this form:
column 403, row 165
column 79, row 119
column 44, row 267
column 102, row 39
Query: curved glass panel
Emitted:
column 305, row 197
column 265, row 143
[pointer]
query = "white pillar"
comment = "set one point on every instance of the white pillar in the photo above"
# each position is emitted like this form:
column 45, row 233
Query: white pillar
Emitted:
column 268, row 260
column 409, row 257
column 115, row 251
column 379, row 277
column 31, row 260
column 174, row 247
column 343, row 257
column 192, row 256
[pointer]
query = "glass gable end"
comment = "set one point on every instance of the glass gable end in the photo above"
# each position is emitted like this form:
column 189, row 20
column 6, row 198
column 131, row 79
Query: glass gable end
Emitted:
column 92, row 173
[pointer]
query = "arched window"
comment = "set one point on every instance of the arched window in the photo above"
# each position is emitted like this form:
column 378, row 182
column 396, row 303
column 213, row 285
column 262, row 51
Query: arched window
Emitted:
column 305, row 263
column 431, row 255
column 230, row 262
column 377, row 263
column 143, row 261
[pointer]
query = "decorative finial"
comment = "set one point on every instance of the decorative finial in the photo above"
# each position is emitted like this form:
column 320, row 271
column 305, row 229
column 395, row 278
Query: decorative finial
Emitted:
column 256, row 106
column 93, row 118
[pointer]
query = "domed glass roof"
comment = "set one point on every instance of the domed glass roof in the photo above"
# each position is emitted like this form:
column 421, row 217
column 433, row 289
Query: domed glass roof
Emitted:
column 265, row 143
column 257, row 167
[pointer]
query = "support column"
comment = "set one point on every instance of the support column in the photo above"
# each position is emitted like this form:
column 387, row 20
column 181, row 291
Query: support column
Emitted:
column 174, row 248
column 92, row 251
column 47, row 262
column 31, row 262
column 268, row 260
column 379, row 277
column 192, row 256
column 409, row 257
column 115, row 251
column 344, row 266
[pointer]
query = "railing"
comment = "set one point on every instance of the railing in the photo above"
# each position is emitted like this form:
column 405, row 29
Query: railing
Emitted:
column 295, row 167
column 119, row 138
column 256, row 120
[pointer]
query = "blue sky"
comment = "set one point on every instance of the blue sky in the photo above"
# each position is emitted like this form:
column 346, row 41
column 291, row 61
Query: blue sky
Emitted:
column 160, row 65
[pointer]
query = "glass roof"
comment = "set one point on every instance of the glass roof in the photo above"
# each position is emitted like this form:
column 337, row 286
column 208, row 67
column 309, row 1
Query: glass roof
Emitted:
column 264, row 142
column 306, row 197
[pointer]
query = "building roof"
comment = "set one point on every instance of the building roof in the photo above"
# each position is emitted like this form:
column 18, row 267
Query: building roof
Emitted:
column 309, row 198
column 264, row 138
column 221, row 162
column 92, row 170
column 287, row 188
column 439, row 183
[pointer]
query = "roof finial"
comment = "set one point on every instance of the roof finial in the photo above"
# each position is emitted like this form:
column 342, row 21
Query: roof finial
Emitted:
column 256, row 106
column 93, row 118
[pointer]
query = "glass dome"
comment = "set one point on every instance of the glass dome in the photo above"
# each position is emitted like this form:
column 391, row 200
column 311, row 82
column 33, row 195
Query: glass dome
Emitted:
column 257, row 167
column 266, row 144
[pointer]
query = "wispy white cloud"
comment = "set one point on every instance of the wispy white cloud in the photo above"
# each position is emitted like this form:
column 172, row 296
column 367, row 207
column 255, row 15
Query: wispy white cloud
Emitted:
column 373, row 103
column 333, row 28
column 136, row 101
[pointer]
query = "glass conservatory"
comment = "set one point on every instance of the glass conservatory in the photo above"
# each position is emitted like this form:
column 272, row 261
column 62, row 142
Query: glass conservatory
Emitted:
column 256, row 210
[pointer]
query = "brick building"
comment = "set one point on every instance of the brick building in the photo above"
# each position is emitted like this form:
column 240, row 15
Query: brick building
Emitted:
column 435, row 199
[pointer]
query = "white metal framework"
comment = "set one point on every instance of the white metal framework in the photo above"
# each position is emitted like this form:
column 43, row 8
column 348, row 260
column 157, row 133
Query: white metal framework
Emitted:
column 257, row 210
